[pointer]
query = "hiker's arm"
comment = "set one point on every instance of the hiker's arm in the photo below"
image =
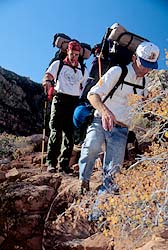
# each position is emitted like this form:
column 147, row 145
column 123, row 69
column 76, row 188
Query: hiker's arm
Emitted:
column 47, row 81
column 108, row 118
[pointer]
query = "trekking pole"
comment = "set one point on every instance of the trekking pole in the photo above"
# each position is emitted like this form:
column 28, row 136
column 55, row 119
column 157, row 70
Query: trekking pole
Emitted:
column 44, row 128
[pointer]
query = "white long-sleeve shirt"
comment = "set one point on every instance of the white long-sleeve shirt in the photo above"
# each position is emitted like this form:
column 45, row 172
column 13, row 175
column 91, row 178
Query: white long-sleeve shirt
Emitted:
column 118, row 104
column 69, row 82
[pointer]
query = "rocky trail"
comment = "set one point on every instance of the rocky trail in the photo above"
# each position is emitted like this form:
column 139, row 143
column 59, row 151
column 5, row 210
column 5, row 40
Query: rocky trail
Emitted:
column 35, row 206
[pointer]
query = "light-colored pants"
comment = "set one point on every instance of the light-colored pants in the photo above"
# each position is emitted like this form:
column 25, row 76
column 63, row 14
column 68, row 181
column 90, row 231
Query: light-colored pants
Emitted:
column 115, row 143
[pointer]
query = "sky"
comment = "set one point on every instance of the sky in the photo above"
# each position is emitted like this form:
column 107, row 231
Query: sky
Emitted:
column 27, row 28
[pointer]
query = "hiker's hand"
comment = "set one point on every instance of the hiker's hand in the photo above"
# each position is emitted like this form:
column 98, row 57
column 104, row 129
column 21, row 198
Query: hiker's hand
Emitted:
column 47, row 82
column 108, row 120
column 47, row 86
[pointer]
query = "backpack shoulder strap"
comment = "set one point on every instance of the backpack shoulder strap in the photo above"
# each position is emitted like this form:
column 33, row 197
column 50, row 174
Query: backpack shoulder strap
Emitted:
column 136, row 86
column 59, row 68
column 139, row 87
column 83, row 66
column 121, row 79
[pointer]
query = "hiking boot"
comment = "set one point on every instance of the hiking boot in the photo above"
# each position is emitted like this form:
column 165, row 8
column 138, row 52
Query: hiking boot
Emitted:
column 114, row 189
column 66, row 170
column 110, row 185
column 84, row 187
column 51, row 169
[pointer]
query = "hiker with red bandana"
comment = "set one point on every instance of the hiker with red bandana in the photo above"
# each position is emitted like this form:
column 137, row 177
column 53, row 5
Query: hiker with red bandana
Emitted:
column 68, row 87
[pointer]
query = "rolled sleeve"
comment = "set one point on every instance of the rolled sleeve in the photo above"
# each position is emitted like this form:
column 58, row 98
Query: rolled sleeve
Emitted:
column 53, row 68
column 107, row 82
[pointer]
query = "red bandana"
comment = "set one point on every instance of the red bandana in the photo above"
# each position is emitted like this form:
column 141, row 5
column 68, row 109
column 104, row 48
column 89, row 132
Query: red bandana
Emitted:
column 66, row 61
column 73, row 45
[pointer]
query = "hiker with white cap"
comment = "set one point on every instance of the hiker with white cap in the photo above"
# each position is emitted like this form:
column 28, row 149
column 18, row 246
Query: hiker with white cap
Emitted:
column 112, row 118
column 148, row 54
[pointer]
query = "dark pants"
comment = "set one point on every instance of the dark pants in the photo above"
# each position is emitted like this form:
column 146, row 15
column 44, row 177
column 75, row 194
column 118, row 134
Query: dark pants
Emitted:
column 61, row 139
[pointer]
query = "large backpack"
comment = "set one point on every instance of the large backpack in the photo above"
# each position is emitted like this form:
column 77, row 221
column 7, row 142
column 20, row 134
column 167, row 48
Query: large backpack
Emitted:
column 116, row 48
column 61, row 41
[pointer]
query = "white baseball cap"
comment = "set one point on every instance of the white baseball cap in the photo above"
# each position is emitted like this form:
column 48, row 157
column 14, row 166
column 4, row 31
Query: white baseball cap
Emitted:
column 148, row 54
